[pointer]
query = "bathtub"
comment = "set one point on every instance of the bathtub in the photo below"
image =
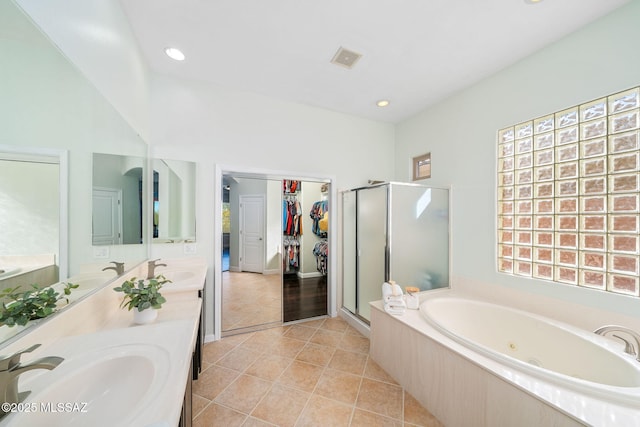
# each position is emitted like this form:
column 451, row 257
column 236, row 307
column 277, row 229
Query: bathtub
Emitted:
column 539, row 346
column 509, row 367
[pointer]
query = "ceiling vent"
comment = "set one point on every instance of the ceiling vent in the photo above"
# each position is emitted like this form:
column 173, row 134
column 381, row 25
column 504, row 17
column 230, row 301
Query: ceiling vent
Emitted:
column 345, row 58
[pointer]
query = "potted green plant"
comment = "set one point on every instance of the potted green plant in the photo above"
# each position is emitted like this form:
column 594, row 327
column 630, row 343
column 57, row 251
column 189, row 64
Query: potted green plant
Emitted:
column 19, row 307
column 143, row 297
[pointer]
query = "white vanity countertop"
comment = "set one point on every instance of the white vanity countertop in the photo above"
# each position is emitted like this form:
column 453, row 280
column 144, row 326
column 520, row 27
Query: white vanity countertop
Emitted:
column 170, row 341
column 96, row 330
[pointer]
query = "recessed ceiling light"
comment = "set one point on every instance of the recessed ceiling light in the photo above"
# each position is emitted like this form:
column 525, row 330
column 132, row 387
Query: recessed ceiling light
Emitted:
column 174, row 53
column 532, row 1
column 383, row 103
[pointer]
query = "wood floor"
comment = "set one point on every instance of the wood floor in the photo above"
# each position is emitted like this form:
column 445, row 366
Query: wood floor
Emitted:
column 252, row 301
column 304, row 298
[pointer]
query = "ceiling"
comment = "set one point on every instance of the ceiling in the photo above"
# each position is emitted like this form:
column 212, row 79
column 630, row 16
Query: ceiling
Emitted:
column 415, row 52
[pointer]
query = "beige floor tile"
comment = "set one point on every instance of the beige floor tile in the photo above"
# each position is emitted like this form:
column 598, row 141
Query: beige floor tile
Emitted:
column 254, row 422
column 326, row 337
column 380, row 398
column 348, row 361
column 352, row 331
column 268, row 366
column 198, row 403
column 216, row 415
column 312, row 323
column 374, row 371
column 335, row 324
column 416, row 415
column 244, row 393
column 238, row 359
column 301, row 375
column 367, row 419
column 339, row 385
column 305, row 374
column 298, row 332
column 317, row 354
column 214, row 351
column 213, row 381
column 281, row 406
column 326, row 413
column 286, row 347
column 355, row 343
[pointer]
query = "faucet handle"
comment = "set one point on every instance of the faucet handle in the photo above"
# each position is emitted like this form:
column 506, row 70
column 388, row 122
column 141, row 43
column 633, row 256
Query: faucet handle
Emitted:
column 10, row 361
column 628, row 347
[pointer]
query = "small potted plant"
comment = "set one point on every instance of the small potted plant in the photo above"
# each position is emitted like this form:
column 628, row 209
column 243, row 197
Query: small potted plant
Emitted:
column 143, row 297
column 19, row 307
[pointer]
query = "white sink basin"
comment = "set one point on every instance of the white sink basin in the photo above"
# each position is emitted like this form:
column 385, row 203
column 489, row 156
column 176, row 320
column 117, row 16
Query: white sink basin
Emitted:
column 101, row 388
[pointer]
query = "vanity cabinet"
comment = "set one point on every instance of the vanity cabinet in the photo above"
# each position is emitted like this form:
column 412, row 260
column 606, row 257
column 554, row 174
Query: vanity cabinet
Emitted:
column 186, row 415
column 197, row 355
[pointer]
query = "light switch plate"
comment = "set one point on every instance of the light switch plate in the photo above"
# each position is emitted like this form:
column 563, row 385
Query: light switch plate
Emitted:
column 190, row 248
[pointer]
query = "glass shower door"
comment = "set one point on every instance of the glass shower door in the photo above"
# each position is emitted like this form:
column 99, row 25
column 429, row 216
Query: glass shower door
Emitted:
column 371, row 246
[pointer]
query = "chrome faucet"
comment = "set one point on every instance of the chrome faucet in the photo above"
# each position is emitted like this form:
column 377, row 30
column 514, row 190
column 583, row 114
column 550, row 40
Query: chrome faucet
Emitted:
column 151, row 268
column 11, row 369
column 629, row 347
column 118, row 267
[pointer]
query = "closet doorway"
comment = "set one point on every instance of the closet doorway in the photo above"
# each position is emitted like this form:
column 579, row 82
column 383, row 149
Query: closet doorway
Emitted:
column 274, row 251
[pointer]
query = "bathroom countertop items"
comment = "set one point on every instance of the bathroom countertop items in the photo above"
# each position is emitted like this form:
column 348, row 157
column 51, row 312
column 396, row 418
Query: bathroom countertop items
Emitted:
column 393, row 298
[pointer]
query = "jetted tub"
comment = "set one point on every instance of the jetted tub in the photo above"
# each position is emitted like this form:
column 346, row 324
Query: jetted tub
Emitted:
column 540, row 346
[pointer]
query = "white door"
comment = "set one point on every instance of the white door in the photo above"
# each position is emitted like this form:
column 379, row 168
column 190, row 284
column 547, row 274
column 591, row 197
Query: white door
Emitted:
column 252, row 233
column 107, row 214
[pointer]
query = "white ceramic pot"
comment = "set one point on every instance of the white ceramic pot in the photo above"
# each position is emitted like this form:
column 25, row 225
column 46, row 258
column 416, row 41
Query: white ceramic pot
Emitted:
column 144, row 316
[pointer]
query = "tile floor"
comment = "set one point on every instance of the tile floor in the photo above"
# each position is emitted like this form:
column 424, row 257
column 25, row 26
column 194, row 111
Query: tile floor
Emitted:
column 250, row 299
column 316, row 373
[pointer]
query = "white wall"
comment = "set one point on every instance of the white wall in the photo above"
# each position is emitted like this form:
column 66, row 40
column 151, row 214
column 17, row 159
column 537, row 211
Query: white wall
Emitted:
column 96, row 37
column 460, row 133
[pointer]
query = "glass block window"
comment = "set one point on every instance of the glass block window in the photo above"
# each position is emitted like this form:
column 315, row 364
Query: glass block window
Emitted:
column 568, row 195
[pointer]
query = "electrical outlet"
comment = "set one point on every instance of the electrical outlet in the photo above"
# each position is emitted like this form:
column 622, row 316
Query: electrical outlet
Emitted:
column 101, row 252
column 190, row 248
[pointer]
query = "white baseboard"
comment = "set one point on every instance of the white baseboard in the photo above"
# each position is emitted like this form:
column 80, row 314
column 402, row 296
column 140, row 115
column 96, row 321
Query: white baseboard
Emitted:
column 308, row 275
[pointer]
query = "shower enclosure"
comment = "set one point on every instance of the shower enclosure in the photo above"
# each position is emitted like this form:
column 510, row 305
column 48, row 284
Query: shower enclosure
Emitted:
column 393, row 231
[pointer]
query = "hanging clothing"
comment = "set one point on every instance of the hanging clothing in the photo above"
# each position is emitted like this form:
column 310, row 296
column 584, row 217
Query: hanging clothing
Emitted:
column 321, row 251
column 291, row 258
column 290, row 186
column 318, row 212
column 291, row 217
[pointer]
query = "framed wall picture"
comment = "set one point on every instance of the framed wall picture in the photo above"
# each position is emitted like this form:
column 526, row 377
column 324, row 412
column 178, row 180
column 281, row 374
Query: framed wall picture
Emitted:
column 422, row 167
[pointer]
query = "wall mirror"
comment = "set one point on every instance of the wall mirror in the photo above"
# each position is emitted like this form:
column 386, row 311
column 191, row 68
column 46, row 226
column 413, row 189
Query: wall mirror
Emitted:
column 174, row 201
column 30, row 216
column 118, row 188
column 48, row 106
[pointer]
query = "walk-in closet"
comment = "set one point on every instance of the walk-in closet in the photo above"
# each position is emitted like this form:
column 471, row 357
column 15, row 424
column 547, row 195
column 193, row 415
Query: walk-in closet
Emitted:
column 275, row 264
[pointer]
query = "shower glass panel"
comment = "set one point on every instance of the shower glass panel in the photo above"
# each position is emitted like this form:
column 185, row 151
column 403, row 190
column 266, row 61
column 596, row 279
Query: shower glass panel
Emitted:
column 371, row 231
column 393, row 231
column 419, row 236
